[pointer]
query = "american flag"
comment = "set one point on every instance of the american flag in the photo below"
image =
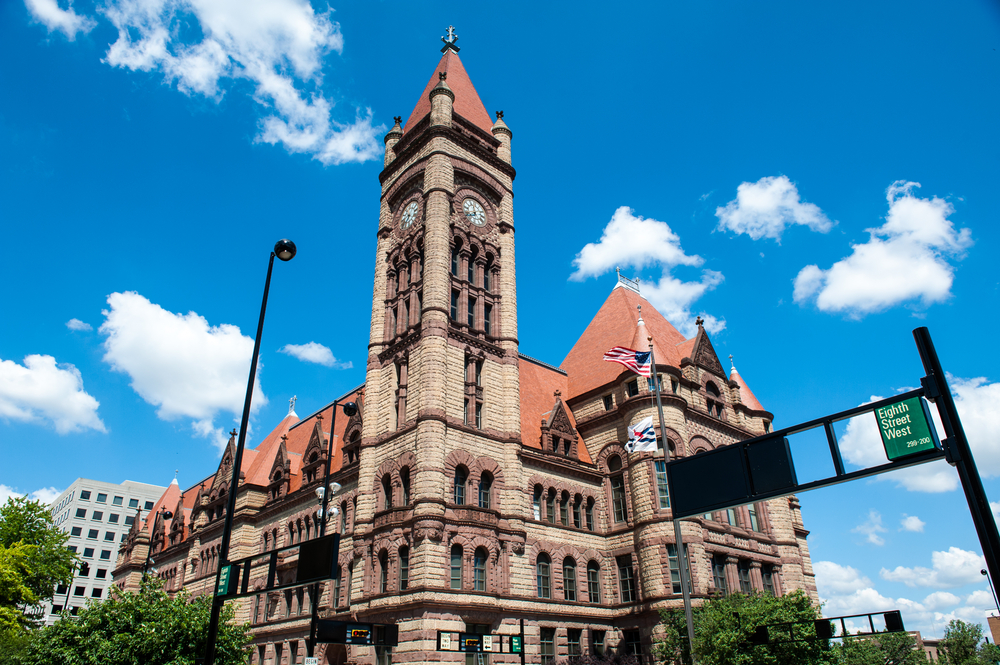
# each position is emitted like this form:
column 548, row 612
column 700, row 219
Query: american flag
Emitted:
column 642, row 437
column 637, row 361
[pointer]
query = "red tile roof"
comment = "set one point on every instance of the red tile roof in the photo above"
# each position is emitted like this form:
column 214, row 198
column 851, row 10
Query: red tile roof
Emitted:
column 467, row 102
column 615, row 325
column 538, row 386
column 746, row 395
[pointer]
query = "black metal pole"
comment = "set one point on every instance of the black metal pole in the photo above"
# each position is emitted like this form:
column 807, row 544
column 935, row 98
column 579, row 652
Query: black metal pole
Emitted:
column 227, row 532
column 972, row 484
column 311, row 644
column 992, row 590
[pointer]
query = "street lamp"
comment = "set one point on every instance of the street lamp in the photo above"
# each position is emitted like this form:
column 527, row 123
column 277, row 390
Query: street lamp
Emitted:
column 992, row 590
column 284, row 249
column 323, row 496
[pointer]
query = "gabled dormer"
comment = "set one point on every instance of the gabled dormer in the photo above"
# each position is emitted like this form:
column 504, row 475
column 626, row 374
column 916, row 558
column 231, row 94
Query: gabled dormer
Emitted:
column 558, row 435
column 279, row 478
column 352, row 437
column 315, row 456
column 177, row 524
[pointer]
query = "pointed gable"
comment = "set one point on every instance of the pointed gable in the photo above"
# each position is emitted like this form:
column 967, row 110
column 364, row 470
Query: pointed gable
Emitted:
column 615, row 325
column 541, row 409
column 703, row 354
column 467, row 102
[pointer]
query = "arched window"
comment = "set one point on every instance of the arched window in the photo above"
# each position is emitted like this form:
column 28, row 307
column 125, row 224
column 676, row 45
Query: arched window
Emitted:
column 537, row 502
column 487, row 274
column 479, row 570
column 590, row 513
column 569, row 578
column 387, row 491
column 617, row 489
column 564, row 508
column 404, row 567
column 594, row 582
column 472, row 266
column 714, row 400
column 543, row 573
column 577, row 502
column 454, row 258
column 461, row 475
column 383, row 573
column 456, row 566
column 404, row 480
column 336, row 588
column 485, row 486
column 550, row 506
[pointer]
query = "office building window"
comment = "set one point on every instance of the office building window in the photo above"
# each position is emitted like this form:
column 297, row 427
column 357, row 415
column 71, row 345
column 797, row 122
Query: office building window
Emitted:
column 71, row 548
column 594, row 582
column 102, row 573
column 102, row 498
column 106, row 555
column 80, row 591
column 56, row 609
column 719, row 574
column 81, row 513
column 113, row 518
column 569, row 579
column 543, row 577
column 573, row 642
column 76, row 531
column 97, row 516
column 661, row 483
column 133, row 503
column 85, row 495
column 61, row 589
column 117, row 501
column 626, row 578
column 129, row 520
column 456, row 566
column 148, row 505
column 88, row 552
column 548, row 639
column 109, row 536
column 95, row 593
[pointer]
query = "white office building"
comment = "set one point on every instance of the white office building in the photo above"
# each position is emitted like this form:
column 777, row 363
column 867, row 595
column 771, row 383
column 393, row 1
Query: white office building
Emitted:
column 97, row 516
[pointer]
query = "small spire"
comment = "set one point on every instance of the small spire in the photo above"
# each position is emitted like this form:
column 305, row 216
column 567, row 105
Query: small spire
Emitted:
column 640, row 322
column 449, row 42
column 732, row 365
column 291, row 404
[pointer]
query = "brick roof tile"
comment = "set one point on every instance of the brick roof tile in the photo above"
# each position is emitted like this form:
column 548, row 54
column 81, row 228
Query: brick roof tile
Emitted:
column 467, row 102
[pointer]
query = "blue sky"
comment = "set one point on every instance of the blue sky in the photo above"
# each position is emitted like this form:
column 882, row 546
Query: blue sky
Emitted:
column 758, row 159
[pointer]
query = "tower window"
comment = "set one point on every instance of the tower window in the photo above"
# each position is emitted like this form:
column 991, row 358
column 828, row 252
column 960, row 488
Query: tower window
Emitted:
column 661, row 484
column 626, row 578
column 609, row 402
column 461, row 475
column 404, row 568
column 542, row 570
column 632, row 388
column 456, row 566
column 454, row 260
column 487, row 319
column 454, row 305
column 479, row 570
column 569, row 579
column 472, row 312
column 594, row 582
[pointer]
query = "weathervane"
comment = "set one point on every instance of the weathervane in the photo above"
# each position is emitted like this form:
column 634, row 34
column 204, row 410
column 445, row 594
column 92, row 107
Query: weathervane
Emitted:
column 291, row 404
column 731, row 364
column 449, row 43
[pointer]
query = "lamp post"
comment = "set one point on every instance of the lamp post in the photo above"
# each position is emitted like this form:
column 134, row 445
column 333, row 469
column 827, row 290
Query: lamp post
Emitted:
column 992, row 590
column 323, row 494
column 284, row 250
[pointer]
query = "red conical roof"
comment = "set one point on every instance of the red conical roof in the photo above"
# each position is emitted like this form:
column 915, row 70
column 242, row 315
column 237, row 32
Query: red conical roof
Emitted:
column 467, row 102
column 746, row 395
column 615, row 325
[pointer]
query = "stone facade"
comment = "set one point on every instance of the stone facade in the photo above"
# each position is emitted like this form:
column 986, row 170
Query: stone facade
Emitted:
column 480, row 487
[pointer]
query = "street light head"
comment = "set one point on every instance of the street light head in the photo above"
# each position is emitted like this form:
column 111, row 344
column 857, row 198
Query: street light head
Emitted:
column 334, row 488
column 983, row 571
column 167, row 514
column 284, row 249
column 320, row 491
column 350, row 409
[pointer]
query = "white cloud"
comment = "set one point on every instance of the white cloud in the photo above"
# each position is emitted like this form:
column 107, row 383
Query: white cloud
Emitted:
column 764, row 208
column 995, row 507
column 45, row 495
column 42, row 390
column 832, row 578
column 77, row 324
column 950, row 569
column 313, row 352
column 55, row 18
column 940, row 599
column 912, row 523
column 205, row 47
column 905, row 260
column 180, row 363
column 871, row 528
column 633, row 241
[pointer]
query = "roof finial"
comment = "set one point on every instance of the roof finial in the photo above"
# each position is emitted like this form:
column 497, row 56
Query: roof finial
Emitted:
column 640, row 322
column 449, row 43
column 699, row 322
column 731, row 364
column 442, row 75
column 499, row 115
column 398, row 119
column 176, row 471
column 291, row 404
column 233, row 433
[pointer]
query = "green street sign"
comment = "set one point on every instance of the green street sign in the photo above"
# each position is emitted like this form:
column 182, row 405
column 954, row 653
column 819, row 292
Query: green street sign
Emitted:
column 223, row 589
column 515, row 644
column 906, row 428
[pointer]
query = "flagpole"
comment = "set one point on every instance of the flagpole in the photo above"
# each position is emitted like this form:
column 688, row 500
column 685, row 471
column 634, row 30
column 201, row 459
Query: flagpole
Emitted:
column 682, row 557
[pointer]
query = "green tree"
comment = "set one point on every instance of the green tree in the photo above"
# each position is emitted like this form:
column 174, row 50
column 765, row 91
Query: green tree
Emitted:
column 885, row 649
column 963, row 644
column 15, row 569
column 48, row 561
column 723, row 628
column 144, row 628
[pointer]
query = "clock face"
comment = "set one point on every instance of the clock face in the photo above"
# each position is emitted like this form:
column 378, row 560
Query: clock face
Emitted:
column 409, row 215
column 474, row 212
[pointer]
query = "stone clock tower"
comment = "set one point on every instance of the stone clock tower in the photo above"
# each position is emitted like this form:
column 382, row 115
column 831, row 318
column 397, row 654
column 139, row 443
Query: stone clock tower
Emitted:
column 442, row 425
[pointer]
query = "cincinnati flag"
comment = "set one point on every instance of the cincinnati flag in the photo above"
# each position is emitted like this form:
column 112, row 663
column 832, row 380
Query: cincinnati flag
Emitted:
column 642, row 437
column 637, row 361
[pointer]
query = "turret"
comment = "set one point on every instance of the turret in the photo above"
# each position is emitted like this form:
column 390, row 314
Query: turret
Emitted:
column 442, row 100
column 503, row 134
column 392, row 138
